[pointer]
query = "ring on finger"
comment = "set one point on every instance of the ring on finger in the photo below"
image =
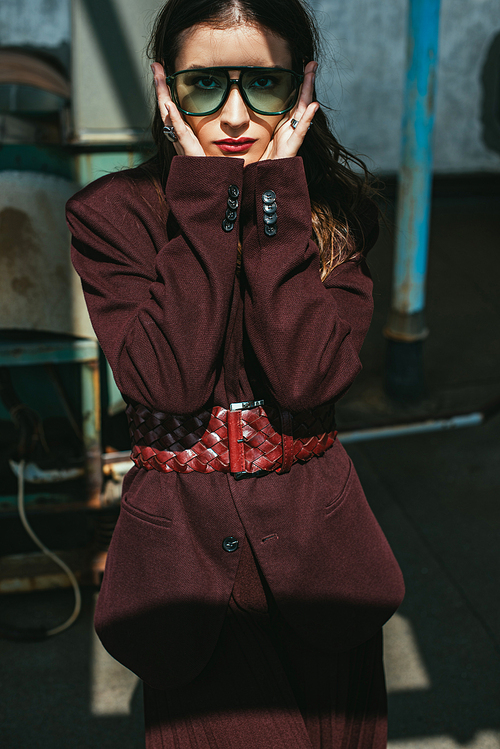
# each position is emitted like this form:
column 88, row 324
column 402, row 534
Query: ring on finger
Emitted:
column 169, row 132
column 294, row 124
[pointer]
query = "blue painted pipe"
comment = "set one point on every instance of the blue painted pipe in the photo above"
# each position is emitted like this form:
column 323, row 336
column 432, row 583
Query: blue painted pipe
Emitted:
column 414, row 191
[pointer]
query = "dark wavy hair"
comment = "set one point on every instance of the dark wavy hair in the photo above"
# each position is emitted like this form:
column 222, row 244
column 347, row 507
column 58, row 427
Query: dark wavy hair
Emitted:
column 336, row 191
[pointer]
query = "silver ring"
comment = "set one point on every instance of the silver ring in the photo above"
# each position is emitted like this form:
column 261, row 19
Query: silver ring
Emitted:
column 294, row 123
column 169, row 132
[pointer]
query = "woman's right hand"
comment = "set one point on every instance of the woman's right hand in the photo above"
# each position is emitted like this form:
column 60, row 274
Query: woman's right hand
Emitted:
column 187, row 144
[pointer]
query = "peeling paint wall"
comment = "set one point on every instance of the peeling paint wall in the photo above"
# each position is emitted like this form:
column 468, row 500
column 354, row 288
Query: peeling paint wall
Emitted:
column 39, row 289
column 364, row 79
column 365, row 86
column 42, row 24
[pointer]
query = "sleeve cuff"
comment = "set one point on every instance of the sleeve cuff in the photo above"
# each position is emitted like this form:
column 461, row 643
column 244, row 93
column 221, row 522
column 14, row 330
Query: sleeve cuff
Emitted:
column 276, row 201
column 205, row 192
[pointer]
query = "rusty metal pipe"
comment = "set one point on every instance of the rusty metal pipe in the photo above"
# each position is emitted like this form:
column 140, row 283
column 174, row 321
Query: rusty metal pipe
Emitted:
column 406, row 323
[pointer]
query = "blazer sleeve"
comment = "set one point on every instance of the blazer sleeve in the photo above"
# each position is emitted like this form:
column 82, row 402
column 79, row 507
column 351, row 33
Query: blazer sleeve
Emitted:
column 306, row 333
column 159, row 304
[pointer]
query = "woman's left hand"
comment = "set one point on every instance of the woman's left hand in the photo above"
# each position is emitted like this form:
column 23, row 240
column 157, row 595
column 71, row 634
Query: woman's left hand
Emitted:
column 287, row 140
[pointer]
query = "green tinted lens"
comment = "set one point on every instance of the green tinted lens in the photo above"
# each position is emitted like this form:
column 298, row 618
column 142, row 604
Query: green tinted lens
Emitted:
column 199, row 92
column 266, row 90
column 270, row 91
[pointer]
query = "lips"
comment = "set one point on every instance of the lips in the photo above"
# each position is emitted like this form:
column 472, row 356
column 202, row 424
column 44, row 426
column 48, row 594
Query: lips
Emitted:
column 233, row 145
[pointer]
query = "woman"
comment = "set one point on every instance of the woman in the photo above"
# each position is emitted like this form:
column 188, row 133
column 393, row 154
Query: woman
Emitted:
column 226, row 281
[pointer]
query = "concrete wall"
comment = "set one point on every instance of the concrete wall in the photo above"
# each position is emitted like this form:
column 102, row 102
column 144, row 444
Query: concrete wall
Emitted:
column 367, row 39
column 363, row 79
column 42, row 24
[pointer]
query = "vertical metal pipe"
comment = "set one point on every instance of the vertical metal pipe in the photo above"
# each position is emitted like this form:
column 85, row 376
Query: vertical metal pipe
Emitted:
column 406, row 320
column 91, row 428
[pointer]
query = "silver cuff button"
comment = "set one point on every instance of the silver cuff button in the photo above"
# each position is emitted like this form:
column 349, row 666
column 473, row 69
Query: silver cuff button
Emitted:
column 270, row 220
column 268, row 197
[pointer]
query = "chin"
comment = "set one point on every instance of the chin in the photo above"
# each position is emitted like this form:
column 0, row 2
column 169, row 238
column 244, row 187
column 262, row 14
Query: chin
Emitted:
column 248, row 158
column 251, row 158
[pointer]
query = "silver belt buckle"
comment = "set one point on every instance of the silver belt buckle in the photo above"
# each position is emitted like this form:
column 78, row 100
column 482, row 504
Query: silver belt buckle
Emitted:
column 241, row 407
column 244, row 405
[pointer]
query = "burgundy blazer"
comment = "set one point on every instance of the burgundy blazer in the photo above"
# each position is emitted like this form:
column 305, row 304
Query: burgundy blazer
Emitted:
column 180, row 331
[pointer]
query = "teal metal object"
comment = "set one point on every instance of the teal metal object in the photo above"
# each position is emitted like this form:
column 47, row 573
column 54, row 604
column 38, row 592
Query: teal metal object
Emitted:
column 47, row 159
column 40, row 502
column 415, row 178
column 91, row 428
column 26, row 353
column 91, row 165
column 406, row 326
column 85, row 353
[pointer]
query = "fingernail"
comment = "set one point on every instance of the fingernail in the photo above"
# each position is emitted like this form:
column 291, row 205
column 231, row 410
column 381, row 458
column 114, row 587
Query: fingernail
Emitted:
column 166, row 109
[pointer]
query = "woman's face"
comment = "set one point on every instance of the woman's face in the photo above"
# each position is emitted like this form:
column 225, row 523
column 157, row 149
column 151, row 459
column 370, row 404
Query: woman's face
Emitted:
column 234, row 130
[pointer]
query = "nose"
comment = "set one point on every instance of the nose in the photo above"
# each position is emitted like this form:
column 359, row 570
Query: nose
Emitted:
column 234, row 112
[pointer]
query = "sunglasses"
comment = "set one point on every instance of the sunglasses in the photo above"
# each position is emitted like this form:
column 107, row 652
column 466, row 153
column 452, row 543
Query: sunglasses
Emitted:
column 203, row 91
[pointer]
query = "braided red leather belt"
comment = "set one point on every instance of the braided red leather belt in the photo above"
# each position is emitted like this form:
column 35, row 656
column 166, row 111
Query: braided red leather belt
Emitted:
column 244, row 440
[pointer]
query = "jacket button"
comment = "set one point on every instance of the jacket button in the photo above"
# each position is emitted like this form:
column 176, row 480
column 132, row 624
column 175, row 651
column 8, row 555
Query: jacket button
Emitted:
column 232, row 203
column 227, row 225
column 230, row 543
column 231, row 215
column 270, row 230
column 270, row 219
column 233, row 191
column 269, row 208
column 268, row 197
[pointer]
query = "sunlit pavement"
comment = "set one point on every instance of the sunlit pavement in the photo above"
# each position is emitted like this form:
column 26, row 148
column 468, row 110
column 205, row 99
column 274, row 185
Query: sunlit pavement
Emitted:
column 437, row 497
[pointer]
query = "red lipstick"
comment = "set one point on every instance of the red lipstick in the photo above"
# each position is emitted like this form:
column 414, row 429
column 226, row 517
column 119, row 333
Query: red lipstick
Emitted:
column 235, row 145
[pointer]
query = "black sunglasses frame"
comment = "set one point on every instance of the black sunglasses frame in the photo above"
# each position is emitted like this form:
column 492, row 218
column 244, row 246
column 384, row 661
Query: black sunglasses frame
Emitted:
column 299, row 77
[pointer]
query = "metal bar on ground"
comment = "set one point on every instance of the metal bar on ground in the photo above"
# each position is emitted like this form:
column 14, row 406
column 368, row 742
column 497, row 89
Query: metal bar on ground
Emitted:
column 417, row 427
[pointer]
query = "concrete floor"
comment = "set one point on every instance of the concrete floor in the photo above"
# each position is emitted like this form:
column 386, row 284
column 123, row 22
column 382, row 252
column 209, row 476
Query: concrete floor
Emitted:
column 437, row 497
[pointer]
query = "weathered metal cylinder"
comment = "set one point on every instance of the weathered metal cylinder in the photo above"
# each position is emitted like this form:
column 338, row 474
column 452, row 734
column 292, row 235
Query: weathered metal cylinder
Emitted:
column 39, row 290
column 406, row 324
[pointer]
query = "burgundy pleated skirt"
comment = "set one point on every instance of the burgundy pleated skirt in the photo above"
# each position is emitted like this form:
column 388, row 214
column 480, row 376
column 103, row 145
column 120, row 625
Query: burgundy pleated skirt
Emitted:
column 265, row 688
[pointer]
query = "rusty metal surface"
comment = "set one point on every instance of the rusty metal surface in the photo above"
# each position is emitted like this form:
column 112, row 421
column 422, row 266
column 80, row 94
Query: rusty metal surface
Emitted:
column 26, row 353
column 39, row 290
column 22, row 573
column 91, row 428
column 406, row 327
column 26, row 69
column 415, row 176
